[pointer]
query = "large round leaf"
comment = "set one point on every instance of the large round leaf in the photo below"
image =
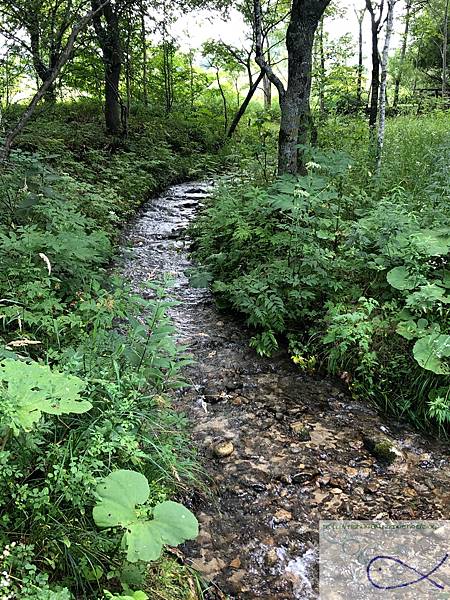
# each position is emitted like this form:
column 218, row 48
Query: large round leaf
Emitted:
column 429, row 352
column 176, row 523
column 172, row 524
column 432, row 242
column 401, row 279
column 142, row 543
column 119, row 493
column 33, row 389
column 143, row 539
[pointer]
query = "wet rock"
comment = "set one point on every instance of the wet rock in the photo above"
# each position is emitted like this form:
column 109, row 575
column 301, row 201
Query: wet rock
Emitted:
column 303, row 477
column 282, row 516
column 209, row 568
column 372, row 487
column 235, row 581
column 382, row 448
column 271, row 558
column 301, row 431
column 223, row 449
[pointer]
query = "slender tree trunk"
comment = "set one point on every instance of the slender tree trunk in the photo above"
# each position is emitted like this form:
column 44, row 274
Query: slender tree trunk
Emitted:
column 445, row 49
column 128, row 67
column 375, row 79
column 191, row 78
column 360, row 16
column 322, row 71
column 144, row 56
column 108, row 36
column 42, row 70
column 383, row 84
column 112, row 102
column 398, row 77
column 240, row 113
column 267, row 86
column 168, row 74
column 224, row 100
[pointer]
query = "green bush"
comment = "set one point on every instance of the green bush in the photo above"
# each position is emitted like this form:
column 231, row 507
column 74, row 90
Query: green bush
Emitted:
column 359, row 282
column 85, row 363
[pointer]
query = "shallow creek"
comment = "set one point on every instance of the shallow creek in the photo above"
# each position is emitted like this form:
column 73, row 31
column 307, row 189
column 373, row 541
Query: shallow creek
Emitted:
column 296, row 441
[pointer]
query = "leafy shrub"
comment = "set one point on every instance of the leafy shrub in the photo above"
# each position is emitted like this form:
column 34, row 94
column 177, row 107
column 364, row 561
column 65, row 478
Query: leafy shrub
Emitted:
column 344, row 277
column 85, row 363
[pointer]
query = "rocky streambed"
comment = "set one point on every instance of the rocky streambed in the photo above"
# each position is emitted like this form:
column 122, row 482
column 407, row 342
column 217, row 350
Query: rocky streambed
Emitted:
column 282, row 449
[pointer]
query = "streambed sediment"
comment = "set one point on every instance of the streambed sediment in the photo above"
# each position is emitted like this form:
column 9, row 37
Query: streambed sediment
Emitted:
column 283, row 449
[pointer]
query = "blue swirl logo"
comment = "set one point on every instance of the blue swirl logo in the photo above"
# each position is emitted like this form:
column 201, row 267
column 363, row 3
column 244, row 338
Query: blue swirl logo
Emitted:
column 380, row 567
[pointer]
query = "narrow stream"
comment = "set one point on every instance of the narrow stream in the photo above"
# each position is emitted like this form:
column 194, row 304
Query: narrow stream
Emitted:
column 283, row 449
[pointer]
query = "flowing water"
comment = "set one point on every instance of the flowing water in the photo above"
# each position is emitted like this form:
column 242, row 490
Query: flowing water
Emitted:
column 282, row 449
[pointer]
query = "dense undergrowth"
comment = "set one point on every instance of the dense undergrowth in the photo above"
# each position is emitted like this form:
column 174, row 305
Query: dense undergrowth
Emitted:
column 349, row 269
column 83, row 374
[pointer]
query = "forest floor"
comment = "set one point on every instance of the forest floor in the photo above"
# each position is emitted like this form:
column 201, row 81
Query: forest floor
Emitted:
column 282, row 449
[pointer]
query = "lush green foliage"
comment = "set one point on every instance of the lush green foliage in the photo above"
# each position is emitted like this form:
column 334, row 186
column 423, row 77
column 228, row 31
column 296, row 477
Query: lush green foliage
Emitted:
column 85, row 363
column 357, row 278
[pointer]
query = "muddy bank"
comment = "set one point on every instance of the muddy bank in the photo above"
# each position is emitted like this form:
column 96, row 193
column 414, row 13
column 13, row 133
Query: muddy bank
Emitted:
column 283, row 449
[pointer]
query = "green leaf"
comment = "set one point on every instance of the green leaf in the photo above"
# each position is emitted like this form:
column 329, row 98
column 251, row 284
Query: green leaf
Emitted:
column 176, row 523
column 446, row 279
column 431, row 242
column 120, row 492
column 143, row 539
column 143, row 542
column 29, row 389
column 429, row 352
column 400, row 279
column 200, row 278
column 407, row 329
column 427, row 296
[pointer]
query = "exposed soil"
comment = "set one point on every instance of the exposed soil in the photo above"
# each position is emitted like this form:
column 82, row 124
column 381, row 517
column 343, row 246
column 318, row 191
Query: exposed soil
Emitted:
column 283, row 449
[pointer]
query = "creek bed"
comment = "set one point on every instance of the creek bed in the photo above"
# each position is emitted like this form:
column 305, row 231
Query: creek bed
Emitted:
column 283, row 449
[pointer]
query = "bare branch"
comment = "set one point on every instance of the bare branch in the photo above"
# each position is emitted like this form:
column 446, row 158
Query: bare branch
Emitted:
column 259, row 51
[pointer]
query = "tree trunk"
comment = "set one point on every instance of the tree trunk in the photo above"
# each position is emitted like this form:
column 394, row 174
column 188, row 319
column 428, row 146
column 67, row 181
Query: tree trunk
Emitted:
column 191, row 78
column 108, row 36
column 168, row 74
column 295, row 104
column 360, row 16
column 224, row 100
column 112, row 103
column 267, row 86
column 322, row 71
column 383, row 84
column 43, row 71
column 240, row 113
column 398, row 77
column 144, row 56
column 375, row 79
column 294, row 100
column 445, row 49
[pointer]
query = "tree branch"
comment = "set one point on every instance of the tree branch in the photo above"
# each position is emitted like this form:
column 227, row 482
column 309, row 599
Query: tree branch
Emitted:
column 259, row 51
column 64, row 57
